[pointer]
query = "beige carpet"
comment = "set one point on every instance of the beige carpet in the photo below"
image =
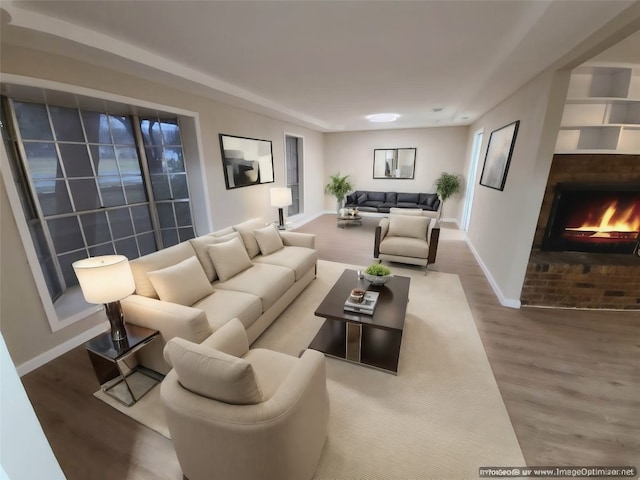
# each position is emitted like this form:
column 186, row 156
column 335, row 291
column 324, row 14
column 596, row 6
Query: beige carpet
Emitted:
column 441, row 417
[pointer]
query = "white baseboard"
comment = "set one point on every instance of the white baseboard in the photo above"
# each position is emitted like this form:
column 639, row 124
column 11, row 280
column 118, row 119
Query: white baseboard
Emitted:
column 61, row 349
column 504, row 301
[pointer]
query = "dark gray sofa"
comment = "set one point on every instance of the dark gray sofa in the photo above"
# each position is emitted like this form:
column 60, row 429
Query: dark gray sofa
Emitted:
column 381, row 202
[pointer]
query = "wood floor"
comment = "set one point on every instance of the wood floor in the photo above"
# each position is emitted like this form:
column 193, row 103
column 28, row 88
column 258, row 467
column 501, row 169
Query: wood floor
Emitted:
column 570, row 379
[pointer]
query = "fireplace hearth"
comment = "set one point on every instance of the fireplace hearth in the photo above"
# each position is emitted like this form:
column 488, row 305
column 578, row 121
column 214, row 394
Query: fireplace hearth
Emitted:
column 594, row 217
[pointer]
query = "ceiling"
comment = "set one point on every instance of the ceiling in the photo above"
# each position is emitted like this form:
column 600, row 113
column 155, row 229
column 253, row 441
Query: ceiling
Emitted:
column 323, row 64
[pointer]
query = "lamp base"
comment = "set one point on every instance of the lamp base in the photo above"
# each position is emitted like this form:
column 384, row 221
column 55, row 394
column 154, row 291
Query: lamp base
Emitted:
column 116, row 319
column 281, row 220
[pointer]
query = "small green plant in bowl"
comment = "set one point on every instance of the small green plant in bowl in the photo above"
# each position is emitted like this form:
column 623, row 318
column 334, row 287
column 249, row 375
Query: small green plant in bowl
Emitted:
column 377, row 274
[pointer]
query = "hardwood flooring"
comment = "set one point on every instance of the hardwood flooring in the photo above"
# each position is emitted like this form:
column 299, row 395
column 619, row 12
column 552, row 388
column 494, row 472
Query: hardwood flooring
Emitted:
column 570, row 379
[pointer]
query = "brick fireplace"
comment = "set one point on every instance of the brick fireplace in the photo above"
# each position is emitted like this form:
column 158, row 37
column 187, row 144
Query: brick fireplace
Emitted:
column 601, row 270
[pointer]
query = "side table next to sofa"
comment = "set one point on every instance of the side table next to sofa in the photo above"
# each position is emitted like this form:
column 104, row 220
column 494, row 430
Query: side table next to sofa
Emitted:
column 115, row 366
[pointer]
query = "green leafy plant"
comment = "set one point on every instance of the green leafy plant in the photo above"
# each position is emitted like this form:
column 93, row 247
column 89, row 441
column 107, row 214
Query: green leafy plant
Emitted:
column 448, row 185
column 377, row 270
column 338, row 187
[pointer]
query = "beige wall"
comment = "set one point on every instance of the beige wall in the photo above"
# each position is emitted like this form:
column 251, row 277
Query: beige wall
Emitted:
column 23, row 320
column 503, row 223
column 438, row 150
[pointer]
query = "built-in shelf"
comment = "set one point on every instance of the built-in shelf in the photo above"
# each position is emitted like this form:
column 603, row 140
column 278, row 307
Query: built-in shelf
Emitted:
column 602, row 111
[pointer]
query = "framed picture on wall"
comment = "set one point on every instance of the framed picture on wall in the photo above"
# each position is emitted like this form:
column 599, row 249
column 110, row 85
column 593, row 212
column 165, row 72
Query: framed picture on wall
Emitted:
column 246, row 161
column 498, row 156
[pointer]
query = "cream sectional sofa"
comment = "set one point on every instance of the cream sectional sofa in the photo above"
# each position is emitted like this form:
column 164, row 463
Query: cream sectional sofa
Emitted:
column 250, row 271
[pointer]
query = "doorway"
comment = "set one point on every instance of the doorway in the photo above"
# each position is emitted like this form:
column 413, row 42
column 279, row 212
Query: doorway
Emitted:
column 471, row 179
column 294, row 165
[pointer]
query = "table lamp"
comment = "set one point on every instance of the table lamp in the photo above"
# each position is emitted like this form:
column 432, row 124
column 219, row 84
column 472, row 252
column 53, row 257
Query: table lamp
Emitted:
column 107, row 279
column 281, row 197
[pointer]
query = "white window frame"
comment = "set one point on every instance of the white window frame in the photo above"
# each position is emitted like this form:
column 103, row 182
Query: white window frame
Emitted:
column 72, row 307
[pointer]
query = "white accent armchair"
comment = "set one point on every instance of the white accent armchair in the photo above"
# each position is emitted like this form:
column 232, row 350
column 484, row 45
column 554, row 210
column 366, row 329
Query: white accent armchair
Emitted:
column 407, row 236
column 240, row 414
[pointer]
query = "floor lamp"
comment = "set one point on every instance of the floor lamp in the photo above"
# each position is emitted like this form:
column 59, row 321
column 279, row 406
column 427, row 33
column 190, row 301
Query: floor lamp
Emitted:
column 281, row 197
column 107, row 279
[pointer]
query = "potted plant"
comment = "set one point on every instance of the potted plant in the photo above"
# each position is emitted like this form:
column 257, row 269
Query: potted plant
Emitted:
column 338, row 187
column 448, row 185
column 377, row 274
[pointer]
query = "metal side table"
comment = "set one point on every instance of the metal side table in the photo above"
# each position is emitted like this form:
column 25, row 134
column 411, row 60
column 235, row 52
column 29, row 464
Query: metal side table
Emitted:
column 116, row 367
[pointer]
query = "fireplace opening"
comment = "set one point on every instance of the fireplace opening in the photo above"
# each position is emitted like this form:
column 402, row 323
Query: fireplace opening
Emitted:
column 598, row 218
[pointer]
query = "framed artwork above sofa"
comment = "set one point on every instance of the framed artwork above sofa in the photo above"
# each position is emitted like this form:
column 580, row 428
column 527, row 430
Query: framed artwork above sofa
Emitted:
column 394, row 163
column 246, row 161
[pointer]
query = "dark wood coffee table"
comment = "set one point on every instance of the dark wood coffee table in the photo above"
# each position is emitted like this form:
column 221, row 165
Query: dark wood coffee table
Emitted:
column 372, row 340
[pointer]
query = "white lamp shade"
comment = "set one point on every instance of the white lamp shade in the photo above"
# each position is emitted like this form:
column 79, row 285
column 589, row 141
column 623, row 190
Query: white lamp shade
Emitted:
column 104, row 279
column 281, row 197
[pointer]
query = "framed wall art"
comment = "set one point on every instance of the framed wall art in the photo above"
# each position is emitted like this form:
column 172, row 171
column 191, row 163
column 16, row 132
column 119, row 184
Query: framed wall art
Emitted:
column 246, row 161
column 498, row 157
column 394, row 162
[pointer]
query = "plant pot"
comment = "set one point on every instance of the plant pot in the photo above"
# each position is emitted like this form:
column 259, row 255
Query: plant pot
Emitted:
column 377, row 280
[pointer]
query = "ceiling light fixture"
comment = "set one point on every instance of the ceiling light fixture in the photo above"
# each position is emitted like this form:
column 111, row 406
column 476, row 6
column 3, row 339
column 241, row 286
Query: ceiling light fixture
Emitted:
column 383, row 117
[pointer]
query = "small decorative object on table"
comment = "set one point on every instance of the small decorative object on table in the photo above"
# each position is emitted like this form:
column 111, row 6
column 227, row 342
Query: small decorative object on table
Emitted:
column 377, row 274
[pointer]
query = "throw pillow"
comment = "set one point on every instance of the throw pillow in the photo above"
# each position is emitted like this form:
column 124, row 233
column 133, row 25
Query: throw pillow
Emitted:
column 212, row 373
column 268, row 239
column 184, row 283
column 408, row 226
column 246, row 232
column 362, row 198
column 229, row 258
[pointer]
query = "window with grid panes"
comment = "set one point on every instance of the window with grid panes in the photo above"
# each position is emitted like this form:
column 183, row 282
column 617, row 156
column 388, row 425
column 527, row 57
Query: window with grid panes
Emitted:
column 87, row 180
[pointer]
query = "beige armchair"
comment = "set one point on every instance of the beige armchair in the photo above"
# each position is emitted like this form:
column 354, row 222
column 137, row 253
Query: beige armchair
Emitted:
column 407, row 236
column 240, row 414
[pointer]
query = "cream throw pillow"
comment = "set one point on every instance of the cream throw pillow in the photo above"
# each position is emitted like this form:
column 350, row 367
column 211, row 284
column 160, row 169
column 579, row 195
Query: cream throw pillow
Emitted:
column 184, row 283
column 229, row 258
column 212, row 373
column 408, row 226
column 268, row 239
column 246, row 231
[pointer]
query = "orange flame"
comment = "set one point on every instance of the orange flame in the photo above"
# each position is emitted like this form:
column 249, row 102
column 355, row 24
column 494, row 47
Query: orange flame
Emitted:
column 612, row 221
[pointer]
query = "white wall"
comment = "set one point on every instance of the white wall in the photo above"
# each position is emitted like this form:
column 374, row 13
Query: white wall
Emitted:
column 438, row 150
column 24, row 323
column 25, row 453
column 503, row 223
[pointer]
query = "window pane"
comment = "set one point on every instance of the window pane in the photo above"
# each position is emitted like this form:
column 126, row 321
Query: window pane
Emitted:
column 127, row 247
column 67, row 270
column 53, row 197
column 134, row 188
column 160, row 186
column 174, row 159
column 169, row 237
column 147, row 243
column 183, row 214
column 66, row 123
column 150, row 132
column 33, row 121
column 104, row 249
column 104, row 160
column 76, row 160
column 84, row 193
column 179, row 186
column 170, row 132
column 65, row 233
column 154, row 159
column 95, row 227
column 128, row 161
column 111, row 191
column 120, row 222
column 185, row 233
column 43, row 160
column 141, row 218
column 96, row 125
column 45, row 259
column 165, row 215
column 121, row 130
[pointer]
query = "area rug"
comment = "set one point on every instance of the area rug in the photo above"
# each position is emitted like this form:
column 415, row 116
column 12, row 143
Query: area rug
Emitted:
column 441, row 417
